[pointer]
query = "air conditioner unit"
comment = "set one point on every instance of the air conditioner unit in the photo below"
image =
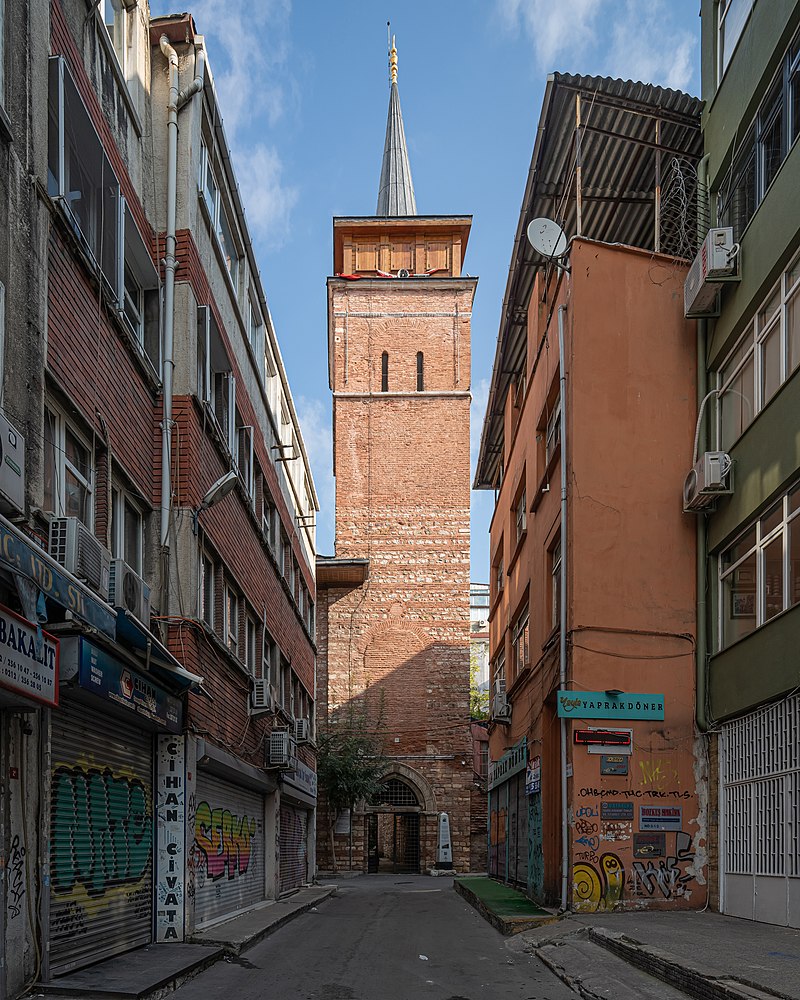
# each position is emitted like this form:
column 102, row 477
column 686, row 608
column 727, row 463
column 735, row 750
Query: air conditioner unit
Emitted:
column 128, row 590
column 711, row 477
column 79, row 552
column 281, row 750
column 717, row 261
column 12, row 469
column 302, row 730
column 500, row 685
column 501, row 710
column 261, row 696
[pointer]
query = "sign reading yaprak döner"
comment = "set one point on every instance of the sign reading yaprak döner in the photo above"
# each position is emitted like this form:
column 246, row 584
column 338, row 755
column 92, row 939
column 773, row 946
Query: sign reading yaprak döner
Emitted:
column 28, row 659
column 609, row 705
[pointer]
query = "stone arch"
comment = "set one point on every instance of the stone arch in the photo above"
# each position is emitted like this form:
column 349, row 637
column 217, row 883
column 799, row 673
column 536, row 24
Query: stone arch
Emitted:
column 419, row 784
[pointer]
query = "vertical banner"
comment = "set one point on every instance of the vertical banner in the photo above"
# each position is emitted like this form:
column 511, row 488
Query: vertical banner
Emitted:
column 171, row 838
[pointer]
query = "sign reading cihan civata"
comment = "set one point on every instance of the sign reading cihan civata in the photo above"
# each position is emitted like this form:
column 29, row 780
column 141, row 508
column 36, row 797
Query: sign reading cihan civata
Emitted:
column 607, row 705
column 28, row 659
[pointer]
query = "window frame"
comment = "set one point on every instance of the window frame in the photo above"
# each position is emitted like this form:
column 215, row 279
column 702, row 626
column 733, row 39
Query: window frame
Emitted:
column 218, row 214
column 384, row 371
column 420, row 371
column 230, row 603
column 521, row 514
column 206, row 593
column 521, row 640
column 723, row 12
column 62, row 465
column 250, row 642
column 121, row 500
column 556, row 569
column 552, row 439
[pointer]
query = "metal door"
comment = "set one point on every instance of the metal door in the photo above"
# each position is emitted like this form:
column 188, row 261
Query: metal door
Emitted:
column 372, row 843
column 293, row 847
column 228, row 848
column 101, row 830
column 760, row 804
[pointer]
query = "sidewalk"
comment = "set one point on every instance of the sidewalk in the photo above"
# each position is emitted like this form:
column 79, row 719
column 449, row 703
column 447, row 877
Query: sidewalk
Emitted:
column 702, row 954
column 507, row 910
column 159, row 969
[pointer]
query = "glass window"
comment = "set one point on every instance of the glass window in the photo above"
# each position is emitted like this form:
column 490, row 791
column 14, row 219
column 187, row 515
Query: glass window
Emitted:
column 68, row 470
column 555, row 585
column 739, row 601
column 520, row 642
column 553, row 437
column 232, row 620
column 385, row 371
column 250, row 644
column 733, row 16
column 207, row 590
column 794, row 562
column 127, row 529
column 771, row 135
column 520, row 515
column 270, row 660
column 116, row 22
column 420, row 372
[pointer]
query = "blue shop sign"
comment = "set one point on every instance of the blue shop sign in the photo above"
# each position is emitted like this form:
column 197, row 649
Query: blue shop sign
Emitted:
column 22, row 556
column 609, row 705
column 106, row 677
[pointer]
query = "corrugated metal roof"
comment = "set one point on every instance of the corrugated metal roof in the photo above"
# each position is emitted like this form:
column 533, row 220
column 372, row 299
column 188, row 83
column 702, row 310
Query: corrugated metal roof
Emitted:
column 618, row 138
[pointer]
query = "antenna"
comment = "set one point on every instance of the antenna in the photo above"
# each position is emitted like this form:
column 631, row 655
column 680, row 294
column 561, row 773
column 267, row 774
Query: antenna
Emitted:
column 547, row 238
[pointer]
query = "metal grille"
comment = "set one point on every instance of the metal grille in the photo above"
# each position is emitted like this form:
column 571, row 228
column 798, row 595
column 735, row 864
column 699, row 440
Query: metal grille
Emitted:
column 101, row 831
column 293, row 847
column 228, row 848
column 395, row 792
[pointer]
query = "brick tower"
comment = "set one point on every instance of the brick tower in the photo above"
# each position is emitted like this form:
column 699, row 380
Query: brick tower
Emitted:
column 393, row 604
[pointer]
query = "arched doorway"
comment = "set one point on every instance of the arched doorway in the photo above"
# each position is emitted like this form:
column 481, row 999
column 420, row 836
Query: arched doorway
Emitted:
column 393, row 828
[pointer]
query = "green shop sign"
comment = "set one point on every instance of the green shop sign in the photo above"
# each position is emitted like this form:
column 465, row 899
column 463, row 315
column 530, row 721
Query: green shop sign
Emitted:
column 609, row 705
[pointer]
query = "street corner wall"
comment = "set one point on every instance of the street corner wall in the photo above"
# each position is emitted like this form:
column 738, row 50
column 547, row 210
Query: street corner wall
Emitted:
column 637, row 833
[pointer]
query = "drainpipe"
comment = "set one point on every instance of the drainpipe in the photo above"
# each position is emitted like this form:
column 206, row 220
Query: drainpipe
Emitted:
column 175, row 102
column 562, row 624
column 701, row 665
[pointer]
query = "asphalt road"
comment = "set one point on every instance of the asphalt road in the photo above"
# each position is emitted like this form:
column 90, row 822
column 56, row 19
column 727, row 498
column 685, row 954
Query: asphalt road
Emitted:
column 382, row 937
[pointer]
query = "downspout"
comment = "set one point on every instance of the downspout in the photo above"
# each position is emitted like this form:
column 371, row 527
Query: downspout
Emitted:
column 562, row 623
column 701, row 665
column 174, row 103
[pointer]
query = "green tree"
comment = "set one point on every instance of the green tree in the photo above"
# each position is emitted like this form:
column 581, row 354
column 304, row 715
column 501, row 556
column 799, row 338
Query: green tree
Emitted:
column 478, row 700
column 350, row 763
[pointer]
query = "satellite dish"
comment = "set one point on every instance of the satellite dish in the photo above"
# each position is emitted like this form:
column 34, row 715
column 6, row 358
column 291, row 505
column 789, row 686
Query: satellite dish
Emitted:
column 547, row 238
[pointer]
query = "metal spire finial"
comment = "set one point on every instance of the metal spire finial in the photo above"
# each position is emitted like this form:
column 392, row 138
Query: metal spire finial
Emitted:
column 395, row 191
column 392, row 59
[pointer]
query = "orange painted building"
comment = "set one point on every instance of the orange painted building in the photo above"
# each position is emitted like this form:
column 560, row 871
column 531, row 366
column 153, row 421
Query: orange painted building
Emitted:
column 592, row 559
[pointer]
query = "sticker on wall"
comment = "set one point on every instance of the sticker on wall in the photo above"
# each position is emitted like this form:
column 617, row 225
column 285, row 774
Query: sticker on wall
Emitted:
column 616, row 810
column 649, row 845
column 533, row 776
column 660, row 817
column 613, row 763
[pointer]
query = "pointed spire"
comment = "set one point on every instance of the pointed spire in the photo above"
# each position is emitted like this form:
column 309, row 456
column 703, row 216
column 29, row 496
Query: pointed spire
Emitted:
column 396, row 191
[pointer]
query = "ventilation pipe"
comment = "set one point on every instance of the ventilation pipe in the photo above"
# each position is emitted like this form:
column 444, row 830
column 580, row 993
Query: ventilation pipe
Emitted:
column 701, row 665
column 562, row 621
column 175, row 102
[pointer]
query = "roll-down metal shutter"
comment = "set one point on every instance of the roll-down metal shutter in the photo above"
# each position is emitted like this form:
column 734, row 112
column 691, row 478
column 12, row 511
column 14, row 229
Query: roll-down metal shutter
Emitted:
column 228, row 848
column 101, row 830
column 293, row 847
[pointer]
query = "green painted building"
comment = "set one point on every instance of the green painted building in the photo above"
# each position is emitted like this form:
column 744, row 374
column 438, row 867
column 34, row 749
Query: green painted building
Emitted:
column 749, row 581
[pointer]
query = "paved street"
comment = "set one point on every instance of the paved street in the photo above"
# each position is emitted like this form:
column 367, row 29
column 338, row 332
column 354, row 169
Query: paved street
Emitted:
column 368, row 943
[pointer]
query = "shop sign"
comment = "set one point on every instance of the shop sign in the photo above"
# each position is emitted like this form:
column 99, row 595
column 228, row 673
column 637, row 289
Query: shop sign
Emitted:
column 512, row 761
column 171, row 818
column 649, row 845
column 613, row 763
column 112, row 680
column 28, row 659
column 616, row 810
column 602, row 705
column 533, row 776
column 302, row 778
column 661, row 818
column 22, row 556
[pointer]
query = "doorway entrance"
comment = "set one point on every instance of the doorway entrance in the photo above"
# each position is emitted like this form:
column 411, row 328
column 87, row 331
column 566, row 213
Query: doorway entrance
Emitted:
column 393, row 832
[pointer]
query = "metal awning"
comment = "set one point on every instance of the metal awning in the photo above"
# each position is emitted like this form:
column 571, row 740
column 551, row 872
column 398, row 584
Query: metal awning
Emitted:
column 152, row 653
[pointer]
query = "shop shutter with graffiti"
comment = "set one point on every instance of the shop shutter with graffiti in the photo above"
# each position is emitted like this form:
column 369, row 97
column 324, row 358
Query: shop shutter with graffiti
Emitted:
column 227, row 857
column 293, row 846
column 101, row 838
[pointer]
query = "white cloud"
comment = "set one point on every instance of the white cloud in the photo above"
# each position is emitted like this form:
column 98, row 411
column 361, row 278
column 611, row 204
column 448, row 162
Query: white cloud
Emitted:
column 315, row 426
column 633, row 40
column 249, row 46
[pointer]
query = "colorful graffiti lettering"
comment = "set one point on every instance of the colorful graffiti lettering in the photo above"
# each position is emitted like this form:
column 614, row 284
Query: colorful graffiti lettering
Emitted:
column 102, row 830
column 16, row 878
column 586, row 811
column 667, row 875
column 657, row 772
column 224, row 841
column 598, row 888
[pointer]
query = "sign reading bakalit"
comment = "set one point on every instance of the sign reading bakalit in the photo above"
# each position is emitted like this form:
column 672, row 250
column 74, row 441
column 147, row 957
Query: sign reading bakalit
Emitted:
column 28, row 659
column 609, row 705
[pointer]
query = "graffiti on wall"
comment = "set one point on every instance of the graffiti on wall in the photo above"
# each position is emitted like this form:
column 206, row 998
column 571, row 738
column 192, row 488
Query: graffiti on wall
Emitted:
column 658, row 772
column 224, row 842
column 16, row 878
column 668, row 877
column 598, row 887
column 102, row 830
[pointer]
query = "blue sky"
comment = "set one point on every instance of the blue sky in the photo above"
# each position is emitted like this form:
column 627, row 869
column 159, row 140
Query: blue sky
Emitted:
column 304, row 92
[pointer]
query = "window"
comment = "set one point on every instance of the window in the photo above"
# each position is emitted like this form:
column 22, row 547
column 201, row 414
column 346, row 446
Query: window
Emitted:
column 555, row 584
column 553, row 433
column 115, row 18
column 255, row 328
column 483, row 759
column 520, row 649
column 127, row 528
column 385, row 372
column 733, row 16
column 232, row 620
column 270, row 660
column 244, row 455
column 207, row 590
column 760, row 571
column 269, row 516
column 286, row 686
column 310, row 620
column 520, row 515
column 763, row 359
column 218, row 214
column 250, row 644
column 498, row 574
column 80, row 177
column 68, row 470
column 499, row 674
column 420, row 372
column 140, row 299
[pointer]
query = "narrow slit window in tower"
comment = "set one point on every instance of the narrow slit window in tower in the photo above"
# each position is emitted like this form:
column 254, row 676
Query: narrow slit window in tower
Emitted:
column 385, row 371
column 420, row 372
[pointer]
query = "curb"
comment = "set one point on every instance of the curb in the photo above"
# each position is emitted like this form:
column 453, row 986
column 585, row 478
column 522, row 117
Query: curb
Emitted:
column 507, row 926
column 695, row 980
